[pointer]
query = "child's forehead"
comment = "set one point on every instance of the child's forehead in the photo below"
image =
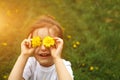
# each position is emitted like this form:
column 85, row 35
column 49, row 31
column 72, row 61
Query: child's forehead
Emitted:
column 43, row 32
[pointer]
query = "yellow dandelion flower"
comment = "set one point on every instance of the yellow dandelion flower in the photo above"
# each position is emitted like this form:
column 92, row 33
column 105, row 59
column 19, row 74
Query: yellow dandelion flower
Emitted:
column 74, row 45
column 36, row 41
column 5, row 76
column 4, row 44
column 69, row 36
column 91, row 68
column 48, row 41
column 83, row 64
column 77, row 42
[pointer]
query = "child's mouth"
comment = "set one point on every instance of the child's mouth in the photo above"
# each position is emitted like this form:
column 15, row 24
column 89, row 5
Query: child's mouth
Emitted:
column 44, row 54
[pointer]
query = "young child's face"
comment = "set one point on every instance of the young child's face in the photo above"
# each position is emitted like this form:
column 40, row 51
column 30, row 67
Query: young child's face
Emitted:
column 43, row 54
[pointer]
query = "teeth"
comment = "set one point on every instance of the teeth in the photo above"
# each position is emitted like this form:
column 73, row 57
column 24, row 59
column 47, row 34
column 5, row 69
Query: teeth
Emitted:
column 44, row 54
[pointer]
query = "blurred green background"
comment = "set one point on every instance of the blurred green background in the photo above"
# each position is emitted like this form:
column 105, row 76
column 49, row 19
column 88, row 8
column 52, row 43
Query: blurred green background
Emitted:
column 91, row 34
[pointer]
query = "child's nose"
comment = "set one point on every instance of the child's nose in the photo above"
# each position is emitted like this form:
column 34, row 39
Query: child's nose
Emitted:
column 43, row 48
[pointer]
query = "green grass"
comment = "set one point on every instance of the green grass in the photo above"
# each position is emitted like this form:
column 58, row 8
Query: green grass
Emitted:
column 94, row 23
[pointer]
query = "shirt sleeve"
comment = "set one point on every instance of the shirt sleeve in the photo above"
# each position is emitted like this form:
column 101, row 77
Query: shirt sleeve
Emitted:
column 68, row 66
column 28, row 69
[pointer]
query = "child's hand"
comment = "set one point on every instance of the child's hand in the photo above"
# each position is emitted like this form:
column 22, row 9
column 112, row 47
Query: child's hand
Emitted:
column 57, row 49
column 26, row 47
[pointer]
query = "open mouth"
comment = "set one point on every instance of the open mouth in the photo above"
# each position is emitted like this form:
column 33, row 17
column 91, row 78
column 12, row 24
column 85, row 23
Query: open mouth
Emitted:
column 44, row 55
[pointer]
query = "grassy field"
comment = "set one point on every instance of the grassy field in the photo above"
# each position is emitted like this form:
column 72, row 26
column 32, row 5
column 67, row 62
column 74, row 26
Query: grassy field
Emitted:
column 91, row 34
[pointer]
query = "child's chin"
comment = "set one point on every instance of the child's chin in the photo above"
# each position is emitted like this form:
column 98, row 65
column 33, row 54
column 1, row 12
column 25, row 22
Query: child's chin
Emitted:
column 45, row 64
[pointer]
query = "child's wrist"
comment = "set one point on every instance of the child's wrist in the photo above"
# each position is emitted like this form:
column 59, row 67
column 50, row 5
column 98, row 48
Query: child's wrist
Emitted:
column 57, row 59
column 24, row 55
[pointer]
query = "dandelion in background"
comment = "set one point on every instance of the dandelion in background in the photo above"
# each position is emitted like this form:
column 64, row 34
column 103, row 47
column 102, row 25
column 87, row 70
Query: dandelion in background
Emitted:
column 91, row 68
column 5, row 76
column 76, row 44
column 83, row 64
column 69, row 36
column 4, row 44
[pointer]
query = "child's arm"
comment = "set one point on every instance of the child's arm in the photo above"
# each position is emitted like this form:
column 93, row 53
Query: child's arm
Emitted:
column 26, row 51
column 62, row 72
column 17, row 71
column 61, row 69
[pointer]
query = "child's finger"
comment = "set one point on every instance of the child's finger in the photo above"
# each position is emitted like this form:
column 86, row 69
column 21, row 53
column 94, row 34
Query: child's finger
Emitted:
column 58, row 40
column 27, row 43
column 30, row 36
column 29, row 40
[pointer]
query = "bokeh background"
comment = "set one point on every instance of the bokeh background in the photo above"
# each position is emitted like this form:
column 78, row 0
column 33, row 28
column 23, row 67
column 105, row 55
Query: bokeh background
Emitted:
column 91, row 34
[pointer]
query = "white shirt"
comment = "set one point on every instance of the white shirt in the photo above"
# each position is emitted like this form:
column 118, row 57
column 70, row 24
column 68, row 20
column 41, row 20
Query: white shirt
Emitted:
column 34, row 71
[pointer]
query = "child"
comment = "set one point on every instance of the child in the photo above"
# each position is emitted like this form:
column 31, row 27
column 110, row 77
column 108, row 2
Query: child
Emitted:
column 42, row 60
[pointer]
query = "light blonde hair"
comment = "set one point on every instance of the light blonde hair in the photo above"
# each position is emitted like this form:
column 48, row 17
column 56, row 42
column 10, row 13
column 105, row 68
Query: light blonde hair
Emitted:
column 50, row 23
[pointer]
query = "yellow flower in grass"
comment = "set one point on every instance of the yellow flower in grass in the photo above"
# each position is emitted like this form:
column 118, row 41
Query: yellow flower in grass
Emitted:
column 77, row 42
column 4, row 44
column 69, row 36
column 83, row 64
column 5, row 76
column 91, row 68
column 74, row 45
column 36, row 41
column 48, row 41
